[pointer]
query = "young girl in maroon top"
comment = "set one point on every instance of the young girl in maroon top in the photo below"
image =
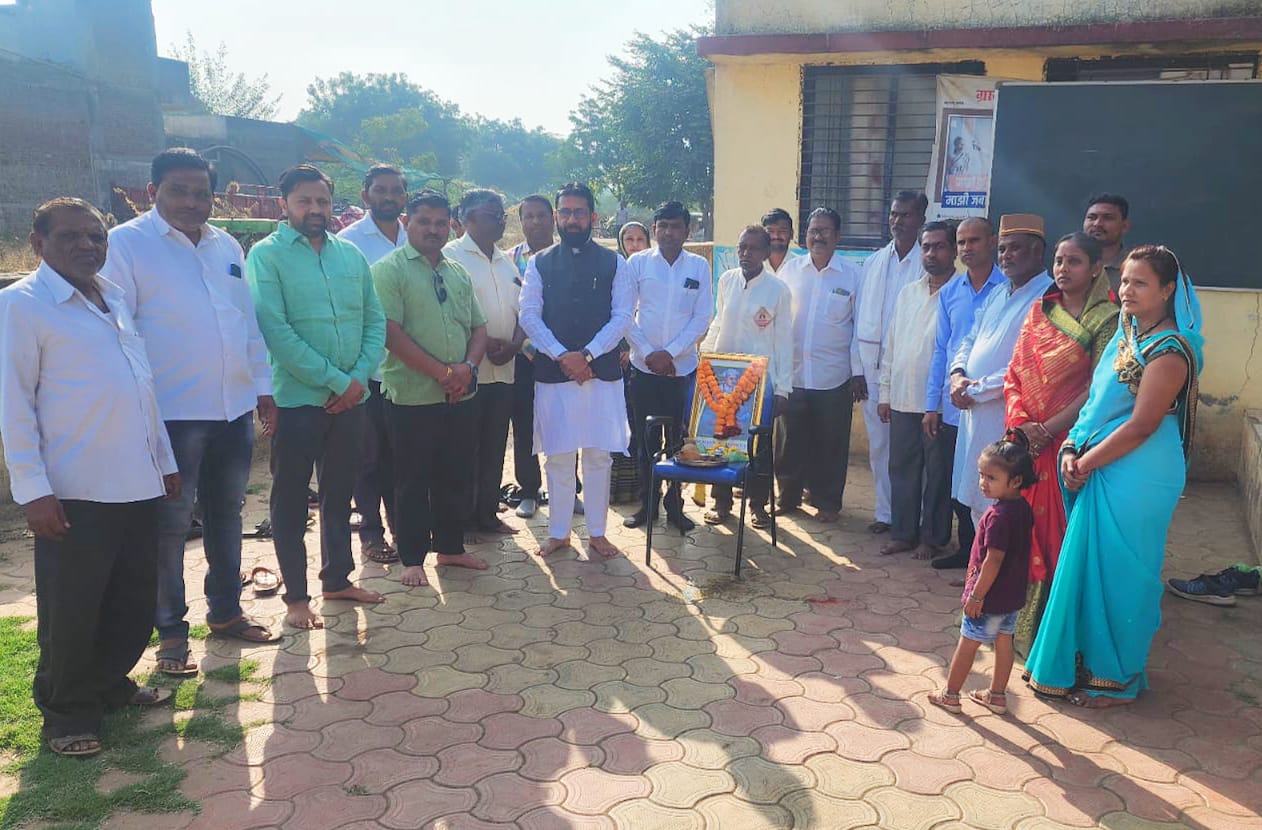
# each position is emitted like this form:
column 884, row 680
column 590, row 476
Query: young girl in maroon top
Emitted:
column 995, row 588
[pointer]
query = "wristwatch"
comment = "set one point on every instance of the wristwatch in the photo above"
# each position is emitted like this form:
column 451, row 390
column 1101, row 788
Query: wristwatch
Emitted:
column 587, row 356
column 473, row 367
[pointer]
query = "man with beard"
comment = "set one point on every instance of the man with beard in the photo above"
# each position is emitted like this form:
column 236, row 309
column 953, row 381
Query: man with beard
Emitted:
column 497, row 286
column 958, row 303
column 325, row 331
column 920, row 467
column 577, row 302
column 779, row 226
column 380, row 232
column 1107, row 221
column 539, row 226
column 89, row 462
column 885, row 274
column 436, row 336
column 184, row 287
column 978, row 370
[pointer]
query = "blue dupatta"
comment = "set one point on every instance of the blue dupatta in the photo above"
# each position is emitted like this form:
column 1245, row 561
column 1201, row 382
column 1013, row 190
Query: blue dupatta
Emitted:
column 1105, row 604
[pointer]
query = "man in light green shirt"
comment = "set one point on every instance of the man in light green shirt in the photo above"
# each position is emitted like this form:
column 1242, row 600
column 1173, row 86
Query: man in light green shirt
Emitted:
column 324, row 329
column 435, row 337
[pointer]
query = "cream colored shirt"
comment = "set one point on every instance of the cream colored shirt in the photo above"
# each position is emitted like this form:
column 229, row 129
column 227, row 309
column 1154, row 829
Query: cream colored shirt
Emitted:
column 755, row 317
column 825, row 348
column 496, row 284
column 909, row 348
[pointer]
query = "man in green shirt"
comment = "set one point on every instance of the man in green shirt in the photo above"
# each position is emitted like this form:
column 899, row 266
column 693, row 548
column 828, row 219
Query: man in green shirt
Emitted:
column 435, row 337
column 324, row 329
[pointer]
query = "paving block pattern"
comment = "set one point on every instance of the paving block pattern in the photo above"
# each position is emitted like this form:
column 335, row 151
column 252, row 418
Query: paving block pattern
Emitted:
column 570, row 693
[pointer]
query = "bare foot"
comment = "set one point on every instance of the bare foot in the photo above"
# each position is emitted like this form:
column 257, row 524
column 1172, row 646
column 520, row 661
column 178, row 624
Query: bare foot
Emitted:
column 1087, row 701
column 927, row 552
column 461, row 560
column 552, row 546
column 413, row 576
column 301, row 616
column 827, row 516
column 498, row 528
column 604, row 548
column 355, row 594
column 896, row 546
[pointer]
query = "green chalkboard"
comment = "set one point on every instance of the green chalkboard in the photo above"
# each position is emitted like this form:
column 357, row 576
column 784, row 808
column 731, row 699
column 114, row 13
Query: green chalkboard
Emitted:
column 1187, row 155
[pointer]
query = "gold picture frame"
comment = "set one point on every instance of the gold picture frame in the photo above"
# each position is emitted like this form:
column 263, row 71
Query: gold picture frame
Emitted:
column 720, row 376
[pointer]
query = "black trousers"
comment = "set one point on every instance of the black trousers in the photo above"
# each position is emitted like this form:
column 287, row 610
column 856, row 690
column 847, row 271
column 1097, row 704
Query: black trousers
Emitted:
column 964, row 529
column 526, row 467
column 306, row 437
column 815, row 446
column 920, row 481
column 492, row 412
column 657, row 395
column 758, row 486
column 96, row 592
column 375, row 485
column 434, row 446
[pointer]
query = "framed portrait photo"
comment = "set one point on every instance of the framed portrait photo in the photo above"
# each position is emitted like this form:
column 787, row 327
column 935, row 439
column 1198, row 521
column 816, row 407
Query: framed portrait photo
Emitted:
column 728, row 401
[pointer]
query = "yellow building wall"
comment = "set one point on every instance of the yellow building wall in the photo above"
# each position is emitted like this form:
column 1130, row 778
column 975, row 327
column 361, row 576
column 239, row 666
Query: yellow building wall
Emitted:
column 810, row 16
column 757, row 115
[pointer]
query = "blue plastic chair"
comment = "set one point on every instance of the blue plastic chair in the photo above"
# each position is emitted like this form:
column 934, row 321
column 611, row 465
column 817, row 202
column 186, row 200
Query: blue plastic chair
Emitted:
column 665, row 468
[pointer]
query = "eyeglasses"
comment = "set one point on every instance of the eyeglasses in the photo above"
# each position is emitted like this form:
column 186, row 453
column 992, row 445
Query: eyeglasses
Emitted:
column 440, row 289
column 573, row 213
column 497, row 218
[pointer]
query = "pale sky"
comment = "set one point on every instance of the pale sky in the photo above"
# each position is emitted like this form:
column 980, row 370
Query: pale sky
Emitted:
column 498, row 58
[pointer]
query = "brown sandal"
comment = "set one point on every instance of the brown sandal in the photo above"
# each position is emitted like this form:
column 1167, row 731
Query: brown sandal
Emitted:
column 87, row 743
column 179, row 661
column 240, row 628
column 266, row 581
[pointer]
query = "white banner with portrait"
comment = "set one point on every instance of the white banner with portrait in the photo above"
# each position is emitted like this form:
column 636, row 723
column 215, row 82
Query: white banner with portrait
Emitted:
column 959, row 176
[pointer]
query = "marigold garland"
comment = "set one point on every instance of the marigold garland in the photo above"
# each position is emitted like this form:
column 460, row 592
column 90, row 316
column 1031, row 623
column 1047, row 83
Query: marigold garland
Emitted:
column 725, row 406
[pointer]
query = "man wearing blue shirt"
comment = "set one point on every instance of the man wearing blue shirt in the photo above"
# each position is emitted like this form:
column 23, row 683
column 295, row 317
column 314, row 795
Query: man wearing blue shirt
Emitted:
column 959, row 301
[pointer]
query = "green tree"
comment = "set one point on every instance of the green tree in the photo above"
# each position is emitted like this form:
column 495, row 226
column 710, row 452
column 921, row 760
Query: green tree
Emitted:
column 507, row 156
column 644, row 133
column 221, row 91
column 343, row 105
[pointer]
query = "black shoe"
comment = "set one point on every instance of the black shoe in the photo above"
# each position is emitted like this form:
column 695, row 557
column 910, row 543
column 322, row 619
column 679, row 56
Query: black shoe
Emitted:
column 955, row 560
column 761, row 519
column 637, row 519
column 680, row 521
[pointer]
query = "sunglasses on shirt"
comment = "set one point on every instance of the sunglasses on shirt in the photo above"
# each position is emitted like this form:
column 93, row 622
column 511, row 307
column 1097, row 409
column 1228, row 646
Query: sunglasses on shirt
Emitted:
column 440, row 289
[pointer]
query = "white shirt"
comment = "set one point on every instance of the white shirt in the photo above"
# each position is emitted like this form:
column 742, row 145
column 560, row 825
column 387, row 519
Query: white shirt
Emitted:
column 193, row 307
column 755, row 317
column 371, row 242
column 606, row 340
column 77, row 407
column 909, row 348
column 884, row 275
column 496, row 284
column 825, row 349
column 784, row 263
column 673, row 307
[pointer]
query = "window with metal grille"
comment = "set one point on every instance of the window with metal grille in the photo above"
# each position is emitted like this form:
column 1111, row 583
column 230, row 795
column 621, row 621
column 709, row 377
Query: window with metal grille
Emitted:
column 867, row 133
column 1173, row 68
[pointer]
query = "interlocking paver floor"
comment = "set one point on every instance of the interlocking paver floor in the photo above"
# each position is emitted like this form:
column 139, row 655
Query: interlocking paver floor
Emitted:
column 575, row 694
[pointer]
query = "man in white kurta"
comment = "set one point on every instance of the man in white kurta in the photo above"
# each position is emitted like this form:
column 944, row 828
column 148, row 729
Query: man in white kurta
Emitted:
column 885, row 274
column 577, row 303
column 978, row 370
column 753, row 315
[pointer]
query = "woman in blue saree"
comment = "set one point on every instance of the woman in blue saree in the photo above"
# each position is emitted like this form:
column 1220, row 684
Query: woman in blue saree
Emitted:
column 1123, row 468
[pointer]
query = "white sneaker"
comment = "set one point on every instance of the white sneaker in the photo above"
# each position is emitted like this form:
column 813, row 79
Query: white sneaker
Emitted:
column 578, row 506
column 527, row 508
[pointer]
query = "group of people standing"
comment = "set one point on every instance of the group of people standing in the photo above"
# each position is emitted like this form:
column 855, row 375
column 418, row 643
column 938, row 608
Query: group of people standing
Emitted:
column 392, row 361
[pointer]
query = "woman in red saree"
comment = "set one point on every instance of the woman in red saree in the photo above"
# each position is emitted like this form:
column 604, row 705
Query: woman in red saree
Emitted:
column 1060, row 342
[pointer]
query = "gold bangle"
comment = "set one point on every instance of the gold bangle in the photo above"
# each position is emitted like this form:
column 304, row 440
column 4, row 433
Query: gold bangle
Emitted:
column 449, row 373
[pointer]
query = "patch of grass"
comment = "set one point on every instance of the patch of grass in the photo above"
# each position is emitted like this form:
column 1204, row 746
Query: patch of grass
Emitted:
column 256, row 488
column 62, row 791
column 245, row 671
column 200, row 631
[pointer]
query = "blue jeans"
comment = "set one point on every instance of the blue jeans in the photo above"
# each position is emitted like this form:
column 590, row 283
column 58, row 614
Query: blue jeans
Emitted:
column 214, row 461
column 988, row 627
